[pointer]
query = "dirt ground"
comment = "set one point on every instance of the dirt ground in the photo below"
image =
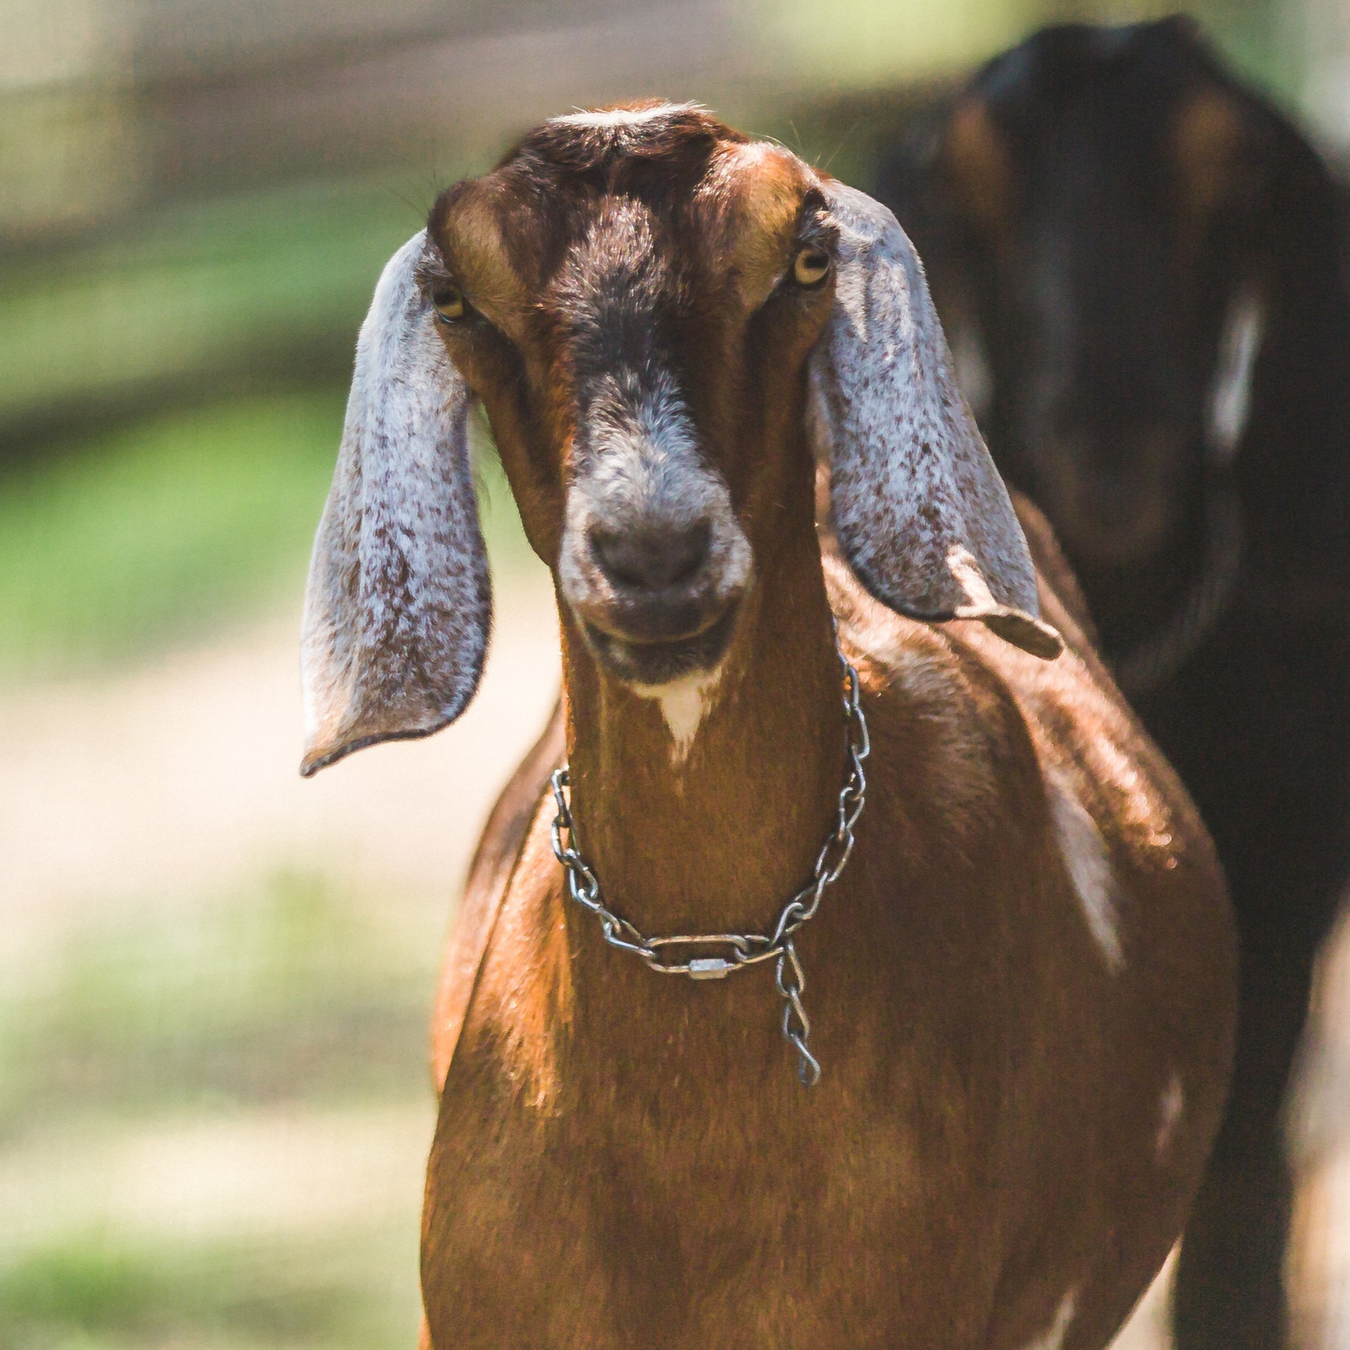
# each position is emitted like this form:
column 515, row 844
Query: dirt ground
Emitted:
column 164, row 787
column 175, row 780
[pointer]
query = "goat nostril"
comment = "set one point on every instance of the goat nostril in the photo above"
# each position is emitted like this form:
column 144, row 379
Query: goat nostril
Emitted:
column 651, row 559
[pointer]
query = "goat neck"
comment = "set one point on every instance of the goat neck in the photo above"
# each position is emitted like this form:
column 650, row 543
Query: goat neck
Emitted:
column 702, row 806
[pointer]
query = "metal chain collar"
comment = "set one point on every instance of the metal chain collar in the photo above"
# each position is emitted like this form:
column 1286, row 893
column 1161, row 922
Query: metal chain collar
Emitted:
column 741, row 950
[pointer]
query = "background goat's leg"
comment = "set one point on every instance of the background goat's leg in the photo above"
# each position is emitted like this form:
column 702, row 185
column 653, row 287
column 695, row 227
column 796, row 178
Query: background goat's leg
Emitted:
column 1230, row 1275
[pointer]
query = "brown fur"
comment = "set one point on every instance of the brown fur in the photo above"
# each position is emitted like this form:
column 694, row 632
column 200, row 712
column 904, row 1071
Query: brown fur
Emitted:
column 1074, row 619
column 1208, row 138
column 489, row 874
column 625, row 1159
column 979, row 164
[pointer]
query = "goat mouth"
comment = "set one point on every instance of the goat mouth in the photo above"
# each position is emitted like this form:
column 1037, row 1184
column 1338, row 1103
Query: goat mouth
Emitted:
column 647, row 661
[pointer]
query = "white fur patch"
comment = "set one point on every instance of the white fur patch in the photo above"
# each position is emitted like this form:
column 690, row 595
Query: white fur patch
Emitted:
column 1089, row 866
column 1231, row 392
column 1171, row 1106
column 684, row 704
column 619, row 117
column 1053, row 1339
column 966, row 573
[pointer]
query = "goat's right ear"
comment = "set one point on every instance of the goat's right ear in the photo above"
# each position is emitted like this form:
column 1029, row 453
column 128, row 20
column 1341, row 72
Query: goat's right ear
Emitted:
column 919, row 507
column 398, row 604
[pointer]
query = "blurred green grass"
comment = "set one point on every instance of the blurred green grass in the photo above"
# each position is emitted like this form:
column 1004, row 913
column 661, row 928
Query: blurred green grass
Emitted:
column 196, row 294
column 163, row 529
column 293, row 997
column 92, row 1292
column 288, row 991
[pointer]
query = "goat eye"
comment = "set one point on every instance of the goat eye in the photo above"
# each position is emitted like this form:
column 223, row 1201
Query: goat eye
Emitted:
column 449, row 304
column 811, row 266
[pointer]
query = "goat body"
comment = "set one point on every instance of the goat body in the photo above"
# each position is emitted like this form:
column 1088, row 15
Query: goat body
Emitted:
column 1149, row 258
column 1020, row 987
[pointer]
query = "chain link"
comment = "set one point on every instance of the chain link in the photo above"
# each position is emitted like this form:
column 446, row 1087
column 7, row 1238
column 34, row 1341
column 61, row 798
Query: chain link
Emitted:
column 740, row 950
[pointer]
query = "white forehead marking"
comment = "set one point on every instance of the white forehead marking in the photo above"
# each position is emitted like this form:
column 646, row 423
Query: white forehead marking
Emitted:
column 1231, row 392
column 1089, row 866
column 684, row 704
column 620, row 117
column 1058, row 1329
column 1169, row 1111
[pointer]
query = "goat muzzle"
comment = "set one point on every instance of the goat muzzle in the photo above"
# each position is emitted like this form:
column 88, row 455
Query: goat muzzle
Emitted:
column 656, row 598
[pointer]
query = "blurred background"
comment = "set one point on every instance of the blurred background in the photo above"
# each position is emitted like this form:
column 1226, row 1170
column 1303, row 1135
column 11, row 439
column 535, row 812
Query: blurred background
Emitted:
column 214, row 979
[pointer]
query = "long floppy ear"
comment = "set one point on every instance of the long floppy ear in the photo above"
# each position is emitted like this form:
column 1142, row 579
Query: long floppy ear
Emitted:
column 919, row 508
column 398, row 604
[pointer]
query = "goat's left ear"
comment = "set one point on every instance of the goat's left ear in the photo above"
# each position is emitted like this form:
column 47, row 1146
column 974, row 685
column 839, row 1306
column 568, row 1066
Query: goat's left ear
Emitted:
column 398, row 605
column 918, row 506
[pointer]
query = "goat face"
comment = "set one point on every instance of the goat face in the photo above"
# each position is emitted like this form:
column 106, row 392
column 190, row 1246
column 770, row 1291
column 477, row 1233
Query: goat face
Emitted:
column 663, row 321
column 640, row 361
column 1106, row 184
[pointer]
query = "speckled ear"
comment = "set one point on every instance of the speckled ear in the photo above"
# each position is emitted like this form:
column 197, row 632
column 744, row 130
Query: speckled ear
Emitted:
column 918, row 506
column 398, row 604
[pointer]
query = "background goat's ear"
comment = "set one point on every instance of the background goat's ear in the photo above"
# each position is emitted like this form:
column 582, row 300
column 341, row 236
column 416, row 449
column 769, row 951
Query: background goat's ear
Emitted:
column 398, row 605
column 919, row 508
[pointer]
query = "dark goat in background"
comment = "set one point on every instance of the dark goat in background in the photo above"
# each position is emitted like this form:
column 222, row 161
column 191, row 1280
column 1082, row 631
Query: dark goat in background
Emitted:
column 1140, row 264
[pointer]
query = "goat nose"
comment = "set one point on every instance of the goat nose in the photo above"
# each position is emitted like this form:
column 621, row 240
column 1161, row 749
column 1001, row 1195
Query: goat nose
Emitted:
column 651, row 559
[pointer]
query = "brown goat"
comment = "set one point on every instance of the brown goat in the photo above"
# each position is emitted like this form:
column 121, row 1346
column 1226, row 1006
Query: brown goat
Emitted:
column 1021, row 984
